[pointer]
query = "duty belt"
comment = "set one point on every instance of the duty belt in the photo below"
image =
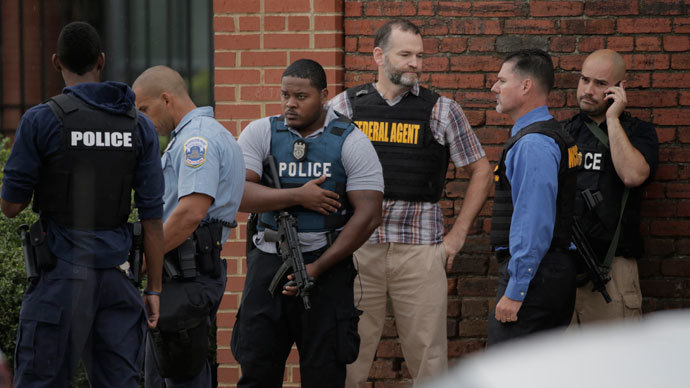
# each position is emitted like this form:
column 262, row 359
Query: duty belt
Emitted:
column 199, row 253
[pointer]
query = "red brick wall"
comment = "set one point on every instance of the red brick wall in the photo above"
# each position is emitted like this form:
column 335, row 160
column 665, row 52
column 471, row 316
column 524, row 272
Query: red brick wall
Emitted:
column 464, row 42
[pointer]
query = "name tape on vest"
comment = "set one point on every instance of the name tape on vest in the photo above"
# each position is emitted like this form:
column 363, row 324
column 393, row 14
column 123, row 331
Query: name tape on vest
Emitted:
column 100, row 139
column 304, row 169
column 391, row 131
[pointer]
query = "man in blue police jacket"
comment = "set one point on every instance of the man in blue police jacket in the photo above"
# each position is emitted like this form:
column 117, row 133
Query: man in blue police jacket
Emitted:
column 80, row 155
column 533, row 204
column 204, row 179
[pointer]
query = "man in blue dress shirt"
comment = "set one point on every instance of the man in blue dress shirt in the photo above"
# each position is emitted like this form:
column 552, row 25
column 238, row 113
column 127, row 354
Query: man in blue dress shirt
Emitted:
column 203, row 170
column 533, row 204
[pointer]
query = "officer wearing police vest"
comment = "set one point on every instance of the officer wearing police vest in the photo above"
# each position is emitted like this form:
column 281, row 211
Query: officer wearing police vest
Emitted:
column 80, row 155
column 332, row 183
column 204, row 178
column 619, row 157
column 416, row 133
column 533, row 205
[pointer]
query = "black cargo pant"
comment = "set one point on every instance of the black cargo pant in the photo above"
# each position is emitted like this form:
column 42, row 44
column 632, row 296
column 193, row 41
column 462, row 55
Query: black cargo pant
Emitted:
column 267, row 326
column 549, row 302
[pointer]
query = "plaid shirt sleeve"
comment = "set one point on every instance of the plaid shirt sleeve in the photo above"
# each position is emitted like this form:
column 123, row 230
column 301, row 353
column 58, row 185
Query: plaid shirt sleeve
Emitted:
column 341, row 104
column 450, row 126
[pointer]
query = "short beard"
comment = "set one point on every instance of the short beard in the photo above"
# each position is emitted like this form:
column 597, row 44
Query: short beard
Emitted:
column 397, row 77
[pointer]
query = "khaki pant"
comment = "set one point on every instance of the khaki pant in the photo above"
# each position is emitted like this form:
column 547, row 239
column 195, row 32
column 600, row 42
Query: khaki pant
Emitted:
column 624, row 289
column 415, row 278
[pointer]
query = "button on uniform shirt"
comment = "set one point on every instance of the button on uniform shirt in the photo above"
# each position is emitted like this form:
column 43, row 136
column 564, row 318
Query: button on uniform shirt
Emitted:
column 203, row 157
column 408, row 222
column 532, row 170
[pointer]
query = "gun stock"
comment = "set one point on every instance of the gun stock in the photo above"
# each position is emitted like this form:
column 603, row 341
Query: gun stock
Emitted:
column 598, row 275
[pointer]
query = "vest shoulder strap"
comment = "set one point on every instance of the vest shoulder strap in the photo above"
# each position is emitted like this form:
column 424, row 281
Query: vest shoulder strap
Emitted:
column 548, row 128
column 359, row 90
column 340, row 125
column 428, row 95
column 64, row 104
column 61, row 105
column 278, row 123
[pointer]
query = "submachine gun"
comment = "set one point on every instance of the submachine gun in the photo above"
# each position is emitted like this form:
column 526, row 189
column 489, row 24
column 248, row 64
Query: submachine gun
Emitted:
column 287, row 243
column 596, row 273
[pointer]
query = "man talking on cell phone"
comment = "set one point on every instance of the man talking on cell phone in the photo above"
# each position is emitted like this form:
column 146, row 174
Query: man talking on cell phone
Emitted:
column 619, row 157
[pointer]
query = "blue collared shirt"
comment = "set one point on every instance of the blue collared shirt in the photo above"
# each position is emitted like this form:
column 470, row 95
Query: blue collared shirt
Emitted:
column 203, row 157
column 532, row 170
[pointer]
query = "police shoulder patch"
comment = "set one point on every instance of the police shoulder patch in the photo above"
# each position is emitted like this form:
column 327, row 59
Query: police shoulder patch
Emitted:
column 195, row 151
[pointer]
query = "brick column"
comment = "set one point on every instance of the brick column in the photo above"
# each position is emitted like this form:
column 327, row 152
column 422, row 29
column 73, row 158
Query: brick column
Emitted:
column 255, row 40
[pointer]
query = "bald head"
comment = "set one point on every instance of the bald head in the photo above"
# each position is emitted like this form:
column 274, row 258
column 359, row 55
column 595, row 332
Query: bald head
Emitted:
column 601, row 71
column 162, row 96
column 158, row 79
column 609, row 60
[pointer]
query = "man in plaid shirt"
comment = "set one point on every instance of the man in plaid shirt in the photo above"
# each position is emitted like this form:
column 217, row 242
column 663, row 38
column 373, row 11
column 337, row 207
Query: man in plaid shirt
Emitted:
column 415, row 132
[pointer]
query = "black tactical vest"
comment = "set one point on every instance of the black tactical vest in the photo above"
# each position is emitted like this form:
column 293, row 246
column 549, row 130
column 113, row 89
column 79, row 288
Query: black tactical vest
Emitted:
column 599, row 182
column 87, row 184
column 414, row 163
column 567, row 174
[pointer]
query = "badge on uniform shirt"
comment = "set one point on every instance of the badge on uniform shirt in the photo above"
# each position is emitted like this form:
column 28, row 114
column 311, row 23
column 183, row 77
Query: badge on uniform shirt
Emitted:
column 195, row 151
column 299, row 149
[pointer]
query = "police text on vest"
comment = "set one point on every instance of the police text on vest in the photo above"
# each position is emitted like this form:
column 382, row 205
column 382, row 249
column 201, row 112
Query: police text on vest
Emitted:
column 304, row 169
column 101, row 139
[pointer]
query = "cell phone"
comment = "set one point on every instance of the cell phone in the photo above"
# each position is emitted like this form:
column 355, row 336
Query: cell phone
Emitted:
column 610, row 101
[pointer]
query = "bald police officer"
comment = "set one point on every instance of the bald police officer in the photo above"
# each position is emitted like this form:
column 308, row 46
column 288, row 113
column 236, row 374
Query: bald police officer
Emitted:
column 204, row 179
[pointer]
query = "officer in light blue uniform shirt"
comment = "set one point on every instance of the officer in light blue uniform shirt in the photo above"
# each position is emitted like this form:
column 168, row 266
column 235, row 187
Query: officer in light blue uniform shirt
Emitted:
column 203, row 169
column 198, row 160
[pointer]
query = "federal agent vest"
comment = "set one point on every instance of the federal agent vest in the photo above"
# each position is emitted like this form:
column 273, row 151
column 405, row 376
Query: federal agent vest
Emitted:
column 322, row 155
column 414, row 163
column 567, row 174
column 87, row 183
column 599, row 179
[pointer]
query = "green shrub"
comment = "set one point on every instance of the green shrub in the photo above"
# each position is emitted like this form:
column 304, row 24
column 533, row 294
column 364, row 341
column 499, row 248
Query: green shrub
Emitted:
column 13, row 279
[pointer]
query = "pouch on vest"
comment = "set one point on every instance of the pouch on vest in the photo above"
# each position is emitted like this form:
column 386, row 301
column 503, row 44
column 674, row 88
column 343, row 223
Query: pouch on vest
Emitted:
column 180, row 341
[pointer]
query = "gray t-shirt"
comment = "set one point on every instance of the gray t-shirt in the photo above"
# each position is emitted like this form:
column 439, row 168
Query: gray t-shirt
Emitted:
column 359, row 158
